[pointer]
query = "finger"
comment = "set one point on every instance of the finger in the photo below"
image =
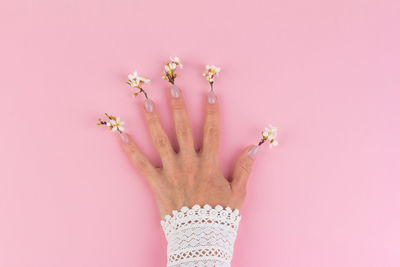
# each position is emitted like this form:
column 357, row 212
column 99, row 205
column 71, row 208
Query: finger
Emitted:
column 242, row 169
column 211, row 130
column 158, row 135
column 140, row 161
column 183, row 128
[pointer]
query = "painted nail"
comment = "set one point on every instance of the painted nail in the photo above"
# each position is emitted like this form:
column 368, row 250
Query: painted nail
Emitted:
column 125, row 138
column 212, row 98
column 148, row 105
column 253, row 151
column 174, row 91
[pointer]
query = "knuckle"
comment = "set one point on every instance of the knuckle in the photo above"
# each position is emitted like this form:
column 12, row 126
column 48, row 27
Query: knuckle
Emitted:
column 138, row 161
column 245, row 166
column 209, row 160
column 212, row 110
column 152, row 120
column 133, row 152
column 183, row 131
column 161, row 141
column 212, row 131
column 131, row 149
column 140, row 164
column 177, row 105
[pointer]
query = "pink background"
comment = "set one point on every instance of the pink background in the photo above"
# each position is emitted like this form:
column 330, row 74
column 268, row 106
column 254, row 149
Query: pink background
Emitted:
column 325, row 72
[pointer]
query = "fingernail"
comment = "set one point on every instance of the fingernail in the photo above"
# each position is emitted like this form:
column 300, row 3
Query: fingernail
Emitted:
column 148, row 105
column 174, row 91
column 212, row 98
column 124, row 138
column 253, row 151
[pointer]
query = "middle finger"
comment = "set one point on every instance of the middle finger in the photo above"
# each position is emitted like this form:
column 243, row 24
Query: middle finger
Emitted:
column 183, row 128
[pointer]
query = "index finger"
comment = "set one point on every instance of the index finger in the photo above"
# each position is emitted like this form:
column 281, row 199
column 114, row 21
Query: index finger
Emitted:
column 139, row 160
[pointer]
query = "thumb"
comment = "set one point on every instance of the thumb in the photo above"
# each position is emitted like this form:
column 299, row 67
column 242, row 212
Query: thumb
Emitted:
column 242, row 168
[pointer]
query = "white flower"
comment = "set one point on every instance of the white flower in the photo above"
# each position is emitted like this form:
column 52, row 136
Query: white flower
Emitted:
column 116, row 124
column 270, row 133
column 136, row 81
column 177, row 61
column 170, row 68
column 113, row 123
column 211, row 71
column 273, row 143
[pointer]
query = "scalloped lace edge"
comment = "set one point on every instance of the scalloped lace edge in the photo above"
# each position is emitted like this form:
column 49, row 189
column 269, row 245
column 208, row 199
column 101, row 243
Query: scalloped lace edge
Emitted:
column 201, row 236
column 197, row 207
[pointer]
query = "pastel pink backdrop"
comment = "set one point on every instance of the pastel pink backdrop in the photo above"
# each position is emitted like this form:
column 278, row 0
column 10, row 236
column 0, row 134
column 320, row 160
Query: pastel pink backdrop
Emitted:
column 325, row 72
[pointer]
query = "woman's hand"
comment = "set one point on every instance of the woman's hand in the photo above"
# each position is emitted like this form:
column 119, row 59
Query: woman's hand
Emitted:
column 190, row 177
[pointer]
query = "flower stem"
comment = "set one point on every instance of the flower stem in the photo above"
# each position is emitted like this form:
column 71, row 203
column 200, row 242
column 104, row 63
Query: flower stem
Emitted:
column 144, row 92
column 171, row 79
column 261, row 142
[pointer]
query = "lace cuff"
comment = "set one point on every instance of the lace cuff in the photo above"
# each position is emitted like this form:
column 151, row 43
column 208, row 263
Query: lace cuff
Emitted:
column 201, row 236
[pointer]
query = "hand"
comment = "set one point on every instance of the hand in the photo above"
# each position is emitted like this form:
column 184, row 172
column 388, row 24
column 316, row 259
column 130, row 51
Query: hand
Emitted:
column 189, row 177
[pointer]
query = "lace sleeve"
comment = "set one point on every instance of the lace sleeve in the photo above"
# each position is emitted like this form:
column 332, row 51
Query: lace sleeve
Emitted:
column 201, row 236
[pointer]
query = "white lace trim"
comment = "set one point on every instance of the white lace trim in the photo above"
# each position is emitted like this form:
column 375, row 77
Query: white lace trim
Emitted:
column 201, row 236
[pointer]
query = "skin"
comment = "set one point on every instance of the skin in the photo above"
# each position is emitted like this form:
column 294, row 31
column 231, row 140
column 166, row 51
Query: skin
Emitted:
column 190, row 177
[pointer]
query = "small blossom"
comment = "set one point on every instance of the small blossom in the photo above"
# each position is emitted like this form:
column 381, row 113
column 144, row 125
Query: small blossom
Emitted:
column 136, row 81
column 211, row 72
column 113, row 123
column 177, row 61
column 269, row 135
column 170, row 68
